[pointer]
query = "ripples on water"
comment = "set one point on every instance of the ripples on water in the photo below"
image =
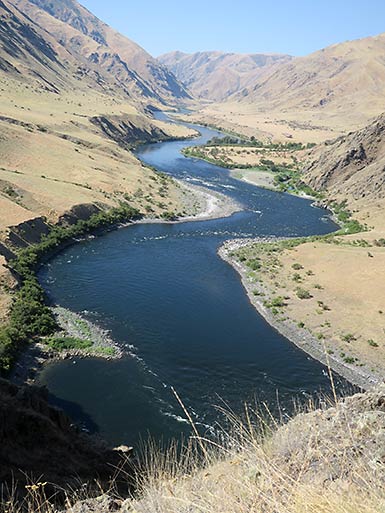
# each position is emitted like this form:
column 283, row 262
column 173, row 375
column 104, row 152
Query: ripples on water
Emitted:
column 181, row 314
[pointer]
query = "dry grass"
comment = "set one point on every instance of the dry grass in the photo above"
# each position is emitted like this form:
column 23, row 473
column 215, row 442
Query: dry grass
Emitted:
column 322, row 461
column 309, row 465
column 248, row 155
column 311, row 98
column 299, row 126
column 259, row 178
column 53, row 157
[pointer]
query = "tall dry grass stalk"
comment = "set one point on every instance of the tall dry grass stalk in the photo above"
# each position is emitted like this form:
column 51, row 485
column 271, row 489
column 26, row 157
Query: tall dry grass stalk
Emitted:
column 318, row 463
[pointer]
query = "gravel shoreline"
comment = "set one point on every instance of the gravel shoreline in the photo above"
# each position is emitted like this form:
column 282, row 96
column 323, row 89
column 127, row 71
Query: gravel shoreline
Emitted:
column 362, row 377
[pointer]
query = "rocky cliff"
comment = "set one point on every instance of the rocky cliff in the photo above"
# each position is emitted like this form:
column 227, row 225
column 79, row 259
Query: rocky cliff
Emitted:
column 351, row 165
column 39, row 443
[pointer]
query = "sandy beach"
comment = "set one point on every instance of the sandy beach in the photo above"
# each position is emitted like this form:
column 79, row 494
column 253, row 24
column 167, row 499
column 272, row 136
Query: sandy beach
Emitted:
column 263, row 179
column 203, row 204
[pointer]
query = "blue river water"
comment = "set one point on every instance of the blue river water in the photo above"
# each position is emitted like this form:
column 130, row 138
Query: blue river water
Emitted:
column 180, row 313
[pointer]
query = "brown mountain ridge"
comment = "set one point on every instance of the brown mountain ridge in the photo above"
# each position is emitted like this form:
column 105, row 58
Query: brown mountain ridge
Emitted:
column 312, row 98
column 98, row 51
column 217, row 75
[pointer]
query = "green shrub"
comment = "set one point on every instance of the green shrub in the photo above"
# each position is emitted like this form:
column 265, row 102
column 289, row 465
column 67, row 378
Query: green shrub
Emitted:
column 278, row 301
column 275, row 303
column 303, row 293
column 348, row 337
column 254, row 264
column 63, row 343
column 168, row 216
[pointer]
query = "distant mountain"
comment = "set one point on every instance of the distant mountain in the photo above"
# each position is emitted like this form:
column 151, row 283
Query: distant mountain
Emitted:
column 341, row 78
column 78, row 39
column 217, row 75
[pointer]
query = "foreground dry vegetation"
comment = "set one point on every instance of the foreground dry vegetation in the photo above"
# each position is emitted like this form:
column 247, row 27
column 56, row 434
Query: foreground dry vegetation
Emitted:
column 328, row 460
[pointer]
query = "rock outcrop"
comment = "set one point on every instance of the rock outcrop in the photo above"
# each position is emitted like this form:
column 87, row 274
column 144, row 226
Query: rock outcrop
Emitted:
column 351, row 165
column 40, row 443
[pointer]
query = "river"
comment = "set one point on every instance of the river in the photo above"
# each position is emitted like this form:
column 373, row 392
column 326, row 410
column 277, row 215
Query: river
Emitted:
column 181, row 314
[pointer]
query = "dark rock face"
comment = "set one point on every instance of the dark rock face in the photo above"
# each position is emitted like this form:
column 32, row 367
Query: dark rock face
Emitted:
column 124, row 132
column 78, row 212
column 39, row 442
column 352, row 164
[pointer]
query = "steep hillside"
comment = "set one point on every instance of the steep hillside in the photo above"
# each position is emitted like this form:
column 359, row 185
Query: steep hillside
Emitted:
column 352, row 165
column 66, row 128
column 30, row 54
column 102, row 54
column 217, row 75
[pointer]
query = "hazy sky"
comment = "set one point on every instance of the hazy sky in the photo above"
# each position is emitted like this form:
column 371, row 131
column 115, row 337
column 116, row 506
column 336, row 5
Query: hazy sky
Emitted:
column 296, row 27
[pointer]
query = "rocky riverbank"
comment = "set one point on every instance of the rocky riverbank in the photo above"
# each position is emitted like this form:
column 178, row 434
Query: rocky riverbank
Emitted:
column 259, row 295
